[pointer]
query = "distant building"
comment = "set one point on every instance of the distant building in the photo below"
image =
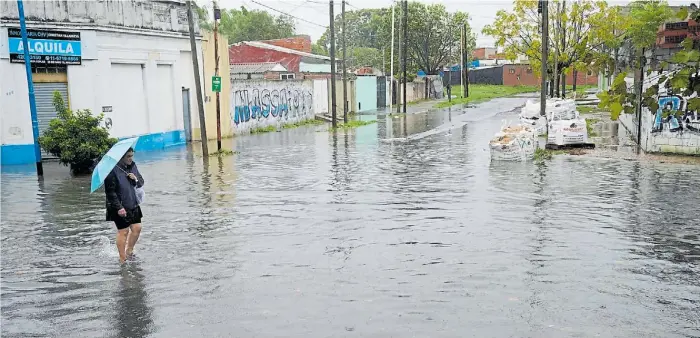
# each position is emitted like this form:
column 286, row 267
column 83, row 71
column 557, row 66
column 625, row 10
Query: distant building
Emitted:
column 301, row 63
column 484, row 53
column 519, row 75
column 260, row 70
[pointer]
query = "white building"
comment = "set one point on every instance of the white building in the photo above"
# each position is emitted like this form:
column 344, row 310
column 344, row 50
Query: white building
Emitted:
column 130, row 60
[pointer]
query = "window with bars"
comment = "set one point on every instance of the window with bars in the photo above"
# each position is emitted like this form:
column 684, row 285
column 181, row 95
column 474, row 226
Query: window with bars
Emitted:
column 49, row 69
column 674, row 39
column 676, row 26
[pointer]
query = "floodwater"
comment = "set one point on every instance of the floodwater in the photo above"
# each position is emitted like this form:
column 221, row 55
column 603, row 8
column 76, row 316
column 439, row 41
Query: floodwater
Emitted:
column 403, row 228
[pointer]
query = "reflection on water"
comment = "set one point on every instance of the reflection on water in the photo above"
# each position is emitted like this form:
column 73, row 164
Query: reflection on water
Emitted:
column 133, row 314
column 307, row 232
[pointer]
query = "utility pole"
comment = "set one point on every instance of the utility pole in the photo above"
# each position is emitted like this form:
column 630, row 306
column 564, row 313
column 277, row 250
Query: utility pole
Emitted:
column 217, row 16
column 449, row 80
column 545, row 42
column 30, row 86
column 640, row 90
column 562, row 27
column 405, row 52
column 333, row 98
column 461, row 59
column 557, row 23
column 345, row 71
column 465, row 66
column 399, row 90
column 391, row 90
column 197, row 82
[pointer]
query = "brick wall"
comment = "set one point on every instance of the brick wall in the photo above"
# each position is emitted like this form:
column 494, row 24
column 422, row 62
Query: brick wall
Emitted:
column 523, row 75
column 243, row 53
column 301, row 43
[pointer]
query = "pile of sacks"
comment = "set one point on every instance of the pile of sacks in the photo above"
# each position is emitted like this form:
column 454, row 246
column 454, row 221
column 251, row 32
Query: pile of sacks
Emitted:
column 565, row 124
column 516, row 143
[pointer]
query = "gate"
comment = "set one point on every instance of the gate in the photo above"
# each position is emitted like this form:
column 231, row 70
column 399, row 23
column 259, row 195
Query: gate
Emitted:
column 186, row 114
column 381, row 91
column 45, row 111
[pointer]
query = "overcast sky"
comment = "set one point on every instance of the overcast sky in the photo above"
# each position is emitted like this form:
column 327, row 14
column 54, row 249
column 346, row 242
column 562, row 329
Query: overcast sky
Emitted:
column 481, row 12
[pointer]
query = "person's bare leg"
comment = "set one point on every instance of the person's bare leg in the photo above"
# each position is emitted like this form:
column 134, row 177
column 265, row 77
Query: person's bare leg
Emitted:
column 133, row 238
column 122, row 236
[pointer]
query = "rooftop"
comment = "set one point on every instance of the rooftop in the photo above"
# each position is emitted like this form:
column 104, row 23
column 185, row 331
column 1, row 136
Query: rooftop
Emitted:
column 263, row 45
column 256, row 67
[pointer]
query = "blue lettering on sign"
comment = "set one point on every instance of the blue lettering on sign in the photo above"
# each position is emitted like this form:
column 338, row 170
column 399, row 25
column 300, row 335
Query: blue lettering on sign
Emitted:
column 46, row 47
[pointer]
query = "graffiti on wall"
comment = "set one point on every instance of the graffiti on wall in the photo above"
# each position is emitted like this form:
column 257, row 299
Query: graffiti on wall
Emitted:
column 267, row 100
column 687, row 120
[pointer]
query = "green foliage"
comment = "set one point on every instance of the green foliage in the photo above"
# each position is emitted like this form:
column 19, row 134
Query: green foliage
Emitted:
column 311, row 122
column 645, row 18
column 249, row 25
column 265, row 129
column 76, row 138
column 618, row 100
column 478, row 93
column 366, row 56
column 542, row 155
column 202, row 16
column 430, row 28
column 589, row 127
column 318, row 49
column 575, row 29
column 353, row 124
column 583, row 110
column 223, row 153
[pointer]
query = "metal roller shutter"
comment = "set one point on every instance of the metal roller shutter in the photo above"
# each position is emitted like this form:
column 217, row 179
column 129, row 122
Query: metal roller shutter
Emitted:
column 44, row 105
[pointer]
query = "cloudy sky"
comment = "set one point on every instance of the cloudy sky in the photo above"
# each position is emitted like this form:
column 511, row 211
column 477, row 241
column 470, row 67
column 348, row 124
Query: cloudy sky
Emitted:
column 316, row 11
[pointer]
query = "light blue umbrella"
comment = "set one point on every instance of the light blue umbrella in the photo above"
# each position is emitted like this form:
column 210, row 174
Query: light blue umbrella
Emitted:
column 109, row 161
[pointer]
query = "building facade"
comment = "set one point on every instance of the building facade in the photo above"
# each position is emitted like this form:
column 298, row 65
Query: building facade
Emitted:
column 299, row 63
column 130, row 60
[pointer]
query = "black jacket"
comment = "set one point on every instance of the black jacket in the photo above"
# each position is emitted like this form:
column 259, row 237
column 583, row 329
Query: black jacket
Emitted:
column 120, row 189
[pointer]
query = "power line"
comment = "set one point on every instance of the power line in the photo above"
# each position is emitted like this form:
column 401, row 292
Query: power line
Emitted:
column 295, row 17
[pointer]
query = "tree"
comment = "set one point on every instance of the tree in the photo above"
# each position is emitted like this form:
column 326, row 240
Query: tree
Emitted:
column 76, row 138
column 366, row 56
column 433, row 36
column 572, row 36
column 202, row 16
column 643, row 21
column 248, row 25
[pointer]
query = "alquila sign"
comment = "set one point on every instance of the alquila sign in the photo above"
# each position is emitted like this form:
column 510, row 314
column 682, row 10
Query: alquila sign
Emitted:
column 46, row 47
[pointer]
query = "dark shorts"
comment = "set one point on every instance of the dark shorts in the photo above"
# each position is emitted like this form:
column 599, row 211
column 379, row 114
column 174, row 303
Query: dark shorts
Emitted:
column 132, row 217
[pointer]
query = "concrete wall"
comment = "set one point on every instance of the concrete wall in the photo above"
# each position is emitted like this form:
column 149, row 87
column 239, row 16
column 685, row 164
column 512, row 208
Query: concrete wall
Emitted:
column 351, row 99
column 155, row 15
column 138, row 76
column 524, row 75
column 414, row 92
column 321, row 92
column 209, row 95
column 667, row 135
column 262, row 103
column 366, row 91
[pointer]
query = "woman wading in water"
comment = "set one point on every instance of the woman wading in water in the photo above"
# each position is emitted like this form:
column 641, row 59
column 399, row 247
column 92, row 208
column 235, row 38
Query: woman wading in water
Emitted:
column 123, row 205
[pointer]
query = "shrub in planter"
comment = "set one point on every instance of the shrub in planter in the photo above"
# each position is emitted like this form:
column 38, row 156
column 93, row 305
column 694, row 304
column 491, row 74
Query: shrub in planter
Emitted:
column 76, row 138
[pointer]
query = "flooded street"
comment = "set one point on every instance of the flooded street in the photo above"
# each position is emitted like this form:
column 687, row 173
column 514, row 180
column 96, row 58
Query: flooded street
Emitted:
column 403, row 228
